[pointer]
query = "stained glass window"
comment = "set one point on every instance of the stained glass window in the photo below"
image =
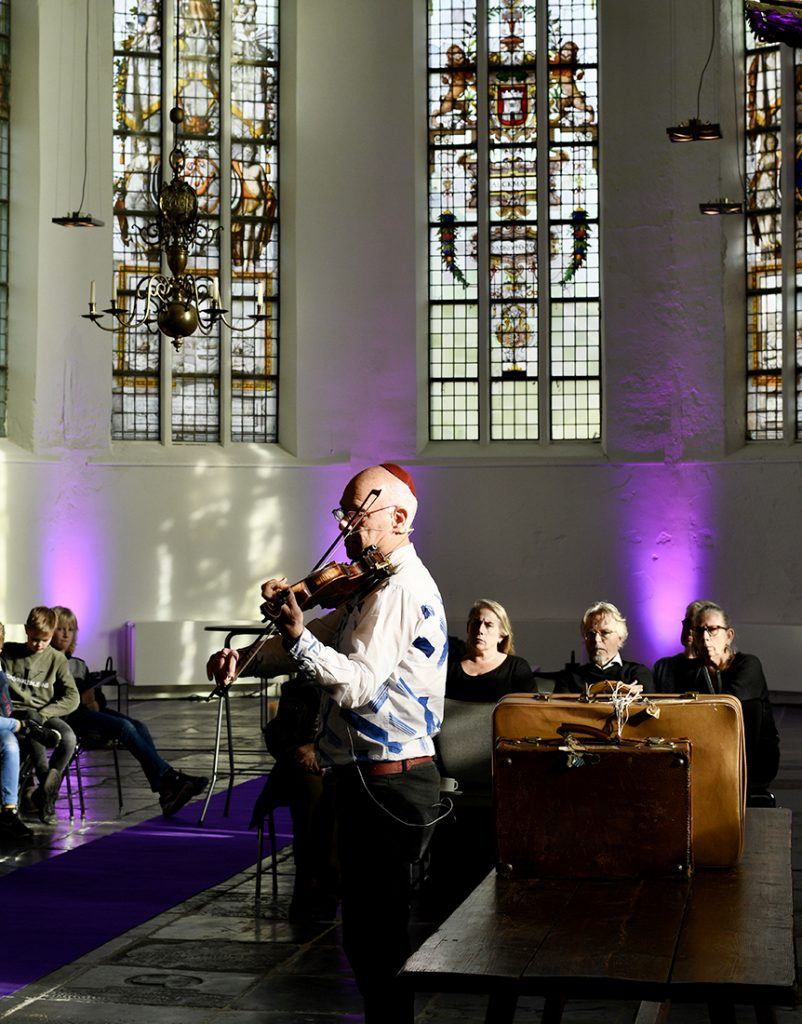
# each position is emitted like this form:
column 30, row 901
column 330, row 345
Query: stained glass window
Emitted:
column 514, row 317
column 5, row 71
column 764, row 265
column 227, row 85
column 773, row 176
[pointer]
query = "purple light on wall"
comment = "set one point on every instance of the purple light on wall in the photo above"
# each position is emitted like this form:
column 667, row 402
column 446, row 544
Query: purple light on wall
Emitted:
column 72, row 572
column 666, row 541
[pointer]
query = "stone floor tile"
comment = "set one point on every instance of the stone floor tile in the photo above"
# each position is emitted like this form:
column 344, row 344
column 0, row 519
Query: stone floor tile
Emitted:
column 313, row 995
column 251, row 957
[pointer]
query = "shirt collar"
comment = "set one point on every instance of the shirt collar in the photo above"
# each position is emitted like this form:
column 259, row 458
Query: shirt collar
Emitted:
column 617, row 660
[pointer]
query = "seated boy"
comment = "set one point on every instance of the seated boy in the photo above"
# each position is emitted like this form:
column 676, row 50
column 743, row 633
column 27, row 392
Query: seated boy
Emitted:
column 175, row 788
column 43, row 690
column 12, row 830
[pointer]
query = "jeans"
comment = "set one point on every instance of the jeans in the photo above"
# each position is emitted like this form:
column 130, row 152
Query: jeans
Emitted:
column 129, row 733
column 9, row 762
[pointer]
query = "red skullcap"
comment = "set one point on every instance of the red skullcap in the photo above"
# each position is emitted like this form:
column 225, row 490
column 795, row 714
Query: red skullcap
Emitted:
column 401, row 474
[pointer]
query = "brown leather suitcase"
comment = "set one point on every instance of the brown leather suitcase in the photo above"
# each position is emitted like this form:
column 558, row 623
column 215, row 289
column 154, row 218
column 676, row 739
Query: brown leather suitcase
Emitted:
column 593, row 808
column 713, row 724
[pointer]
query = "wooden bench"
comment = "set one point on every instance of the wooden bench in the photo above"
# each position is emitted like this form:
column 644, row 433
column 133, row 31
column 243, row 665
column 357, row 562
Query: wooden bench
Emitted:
column 722, row 937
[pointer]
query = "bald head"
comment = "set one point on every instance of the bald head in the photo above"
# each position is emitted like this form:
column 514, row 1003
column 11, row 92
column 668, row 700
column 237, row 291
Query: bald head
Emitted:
column 392, row 491
column 388, row 514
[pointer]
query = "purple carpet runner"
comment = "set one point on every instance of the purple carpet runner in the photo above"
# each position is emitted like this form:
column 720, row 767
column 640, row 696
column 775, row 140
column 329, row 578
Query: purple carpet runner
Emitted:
column 61, row 908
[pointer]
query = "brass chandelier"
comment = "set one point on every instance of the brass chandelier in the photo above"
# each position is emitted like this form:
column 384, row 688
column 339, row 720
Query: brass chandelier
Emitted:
column 180, row 304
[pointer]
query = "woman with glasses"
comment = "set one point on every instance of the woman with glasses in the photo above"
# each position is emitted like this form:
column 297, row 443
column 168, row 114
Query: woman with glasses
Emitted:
column 677, row 673
column 722, row 669
column 485, row 667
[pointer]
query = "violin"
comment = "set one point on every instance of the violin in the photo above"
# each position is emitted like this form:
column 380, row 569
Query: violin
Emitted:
column 328, row 586
column 337, row 582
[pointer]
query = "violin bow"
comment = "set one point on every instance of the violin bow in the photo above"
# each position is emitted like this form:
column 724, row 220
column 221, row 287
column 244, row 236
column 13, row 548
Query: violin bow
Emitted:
column 271, row 629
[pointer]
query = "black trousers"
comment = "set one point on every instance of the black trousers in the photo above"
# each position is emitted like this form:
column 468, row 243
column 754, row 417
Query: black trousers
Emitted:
column 376, row 854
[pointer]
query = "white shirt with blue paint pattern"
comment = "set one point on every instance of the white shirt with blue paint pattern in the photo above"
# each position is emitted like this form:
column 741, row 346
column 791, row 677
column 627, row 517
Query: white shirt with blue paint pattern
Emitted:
column 382, row 667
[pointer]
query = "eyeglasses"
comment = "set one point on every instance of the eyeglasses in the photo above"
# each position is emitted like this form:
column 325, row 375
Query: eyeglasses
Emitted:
column 710, row 630
column 349, row 516
column 602, row 634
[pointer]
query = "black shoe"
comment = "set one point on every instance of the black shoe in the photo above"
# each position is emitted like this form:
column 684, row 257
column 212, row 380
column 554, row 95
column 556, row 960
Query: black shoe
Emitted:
column 198, row 782
column 45, row 797
column 13, row 830
column 41, row 733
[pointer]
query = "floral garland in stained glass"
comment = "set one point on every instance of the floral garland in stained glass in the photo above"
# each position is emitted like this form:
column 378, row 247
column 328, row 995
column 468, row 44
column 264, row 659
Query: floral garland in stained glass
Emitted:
column 580, row 230
column 446, row 235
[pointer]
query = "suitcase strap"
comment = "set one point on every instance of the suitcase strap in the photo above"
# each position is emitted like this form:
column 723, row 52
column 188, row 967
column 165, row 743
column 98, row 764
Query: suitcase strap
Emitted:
column 576, row 739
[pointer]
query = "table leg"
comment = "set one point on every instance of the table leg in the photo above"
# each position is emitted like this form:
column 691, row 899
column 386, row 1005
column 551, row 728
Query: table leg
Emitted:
column 765, row 1014
column 653, row 1013
column 501, row 1008
column 721, row 1012
column 553, row 1010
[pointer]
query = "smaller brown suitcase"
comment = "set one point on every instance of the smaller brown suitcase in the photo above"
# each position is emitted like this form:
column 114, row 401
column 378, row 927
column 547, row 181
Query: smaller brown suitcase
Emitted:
column 581, row 807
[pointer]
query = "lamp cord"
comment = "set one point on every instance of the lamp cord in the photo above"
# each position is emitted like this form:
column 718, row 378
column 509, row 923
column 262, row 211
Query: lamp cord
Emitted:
column 86, row 109
column 709, row 55
column 177, row 53
column 736, row 111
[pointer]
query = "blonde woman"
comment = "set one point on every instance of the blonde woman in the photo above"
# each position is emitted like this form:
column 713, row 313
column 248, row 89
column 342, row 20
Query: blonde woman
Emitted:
column 485, row 666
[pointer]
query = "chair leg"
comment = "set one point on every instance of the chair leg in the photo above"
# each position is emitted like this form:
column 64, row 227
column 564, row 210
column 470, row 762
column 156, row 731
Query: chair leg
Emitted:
column 271, row 827
column 68, row 783
column 260, row 852
column 117, row 777
column 80, row 785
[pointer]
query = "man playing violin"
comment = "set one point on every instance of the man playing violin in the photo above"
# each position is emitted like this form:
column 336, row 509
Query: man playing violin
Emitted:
column 380, row 662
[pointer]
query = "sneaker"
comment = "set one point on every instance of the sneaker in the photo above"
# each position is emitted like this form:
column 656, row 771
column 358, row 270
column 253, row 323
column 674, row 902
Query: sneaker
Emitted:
column 41, row 733
column 198, row 782
column 178, row 789
column 12, row 829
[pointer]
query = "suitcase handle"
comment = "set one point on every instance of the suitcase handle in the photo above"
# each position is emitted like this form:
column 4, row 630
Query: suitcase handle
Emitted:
column 581, row 729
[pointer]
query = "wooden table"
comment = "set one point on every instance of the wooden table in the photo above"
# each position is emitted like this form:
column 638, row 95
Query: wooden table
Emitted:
column 723, row 937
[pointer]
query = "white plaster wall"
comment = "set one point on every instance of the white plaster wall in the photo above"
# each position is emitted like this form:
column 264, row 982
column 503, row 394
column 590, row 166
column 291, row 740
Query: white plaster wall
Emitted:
column 669, row 509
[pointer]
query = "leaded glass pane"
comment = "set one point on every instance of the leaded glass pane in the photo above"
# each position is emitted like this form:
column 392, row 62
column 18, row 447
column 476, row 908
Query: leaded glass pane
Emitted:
column 137, row 173
column 493, row 110
column 452, row 126
column 514, row 327
column 453, row 410
column 512, row 155
column 195, row 408
column 574, row 220
column 576, row 409
column 513, row 409
column 250, row 226
column 254, row 218
column 764, row 266
column 798, row 358
column 5, row 81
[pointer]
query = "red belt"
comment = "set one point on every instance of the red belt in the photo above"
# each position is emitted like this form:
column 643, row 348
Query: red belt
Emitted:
column 391, row 767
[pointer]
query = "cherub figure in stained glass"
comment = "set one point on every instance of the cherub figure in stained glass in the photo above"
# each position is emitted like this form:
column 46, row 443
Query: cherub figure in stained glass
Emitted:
column 564, row 73
column 455, row 100
column 203, row 17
